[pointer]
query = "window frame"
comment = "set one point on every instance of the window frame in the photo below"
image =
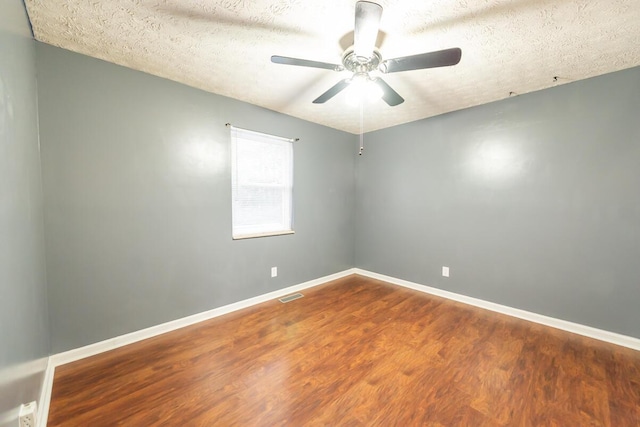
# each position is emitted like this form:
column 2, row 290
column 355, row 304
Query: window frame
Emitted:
column 249, row 232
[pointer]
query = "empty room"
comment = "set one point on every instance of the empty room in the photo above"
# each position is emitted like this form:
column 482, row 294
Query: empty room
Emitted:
column 259, row 213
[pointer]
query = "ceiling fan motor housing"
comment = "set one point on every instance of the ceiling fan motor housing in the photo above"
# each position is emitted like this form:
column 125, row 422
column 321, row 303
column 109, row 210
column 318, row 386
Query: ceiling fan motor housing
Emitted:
column 360, row 65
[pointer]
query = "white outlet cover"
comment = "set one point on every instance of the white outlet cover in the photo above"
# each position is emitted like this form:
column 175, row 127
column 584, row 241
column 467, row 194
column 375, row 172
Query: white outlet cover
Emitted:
column 27, row 414
column 445, row 271
column 274, row 271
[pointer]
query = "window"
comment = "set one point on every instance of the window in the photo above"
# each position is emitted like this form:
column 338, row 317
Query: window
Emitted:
column 261, row 184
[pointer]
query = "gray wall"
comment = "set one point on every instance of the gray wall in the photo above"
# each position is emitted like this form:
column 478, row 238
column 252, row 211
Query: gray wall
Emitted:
column 24, row 334
column 533, row 202
column 138, row 200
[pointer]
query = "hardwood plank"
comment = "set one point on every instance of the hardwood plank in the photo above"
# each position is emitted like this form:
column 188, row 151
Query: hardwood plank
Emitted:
column 355, row 351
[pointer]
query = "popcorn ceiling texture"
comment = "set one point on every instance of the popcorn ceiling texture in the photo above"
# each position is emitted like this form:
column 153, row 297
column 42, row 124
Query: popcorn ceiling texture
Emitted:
column 224, row 47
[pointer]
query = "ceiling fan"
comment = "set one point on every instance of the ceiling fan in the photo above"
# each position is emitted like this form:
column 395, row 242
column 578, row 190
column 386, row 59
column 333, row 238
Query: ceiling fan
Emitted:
column 363, row 57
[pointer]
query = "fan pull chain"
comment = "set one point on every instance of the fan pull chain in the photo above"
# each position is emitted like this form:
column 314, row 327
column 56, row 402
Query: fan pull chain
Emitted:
column 361, row 128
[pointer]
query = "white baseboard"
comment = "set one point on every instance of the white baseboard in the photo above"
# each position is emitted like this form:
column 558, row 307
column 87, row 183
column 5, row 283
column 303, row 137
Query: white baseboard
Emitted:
column 113, row 343
column 576, row 328
column 45, row 394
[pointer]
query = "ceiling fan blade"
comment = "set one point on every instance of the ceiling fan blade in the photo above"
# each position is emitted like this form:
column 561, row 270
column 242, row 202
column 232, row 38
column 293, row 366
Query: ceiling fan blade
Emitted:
column 366, row 28
column 389, row 95
column 441, row 58
column 333, row 91
column 305, row 63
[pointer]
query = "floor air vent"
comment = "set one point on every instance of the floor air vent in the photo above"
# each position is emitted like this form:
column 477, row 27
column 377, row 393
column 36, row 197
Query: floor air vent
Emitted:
column 291, row 297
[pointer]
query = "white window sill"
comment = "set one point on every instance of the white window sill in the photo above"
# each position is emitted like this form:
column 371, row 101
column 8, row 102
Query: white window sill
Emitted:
column 254, row 236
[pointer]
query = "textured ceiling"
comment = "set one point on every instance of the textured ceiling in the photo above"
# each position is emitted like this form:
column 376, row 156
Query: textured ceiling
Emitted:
column 224, row 47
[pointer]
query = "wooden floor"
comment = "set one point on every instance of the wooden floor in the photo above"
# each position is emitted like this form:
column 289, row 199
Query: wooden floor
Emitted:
column 355, row 352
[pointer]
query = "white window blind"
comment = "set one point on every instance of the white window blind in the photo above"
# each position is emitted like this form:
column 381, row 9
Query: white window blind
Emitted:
column 261, row 184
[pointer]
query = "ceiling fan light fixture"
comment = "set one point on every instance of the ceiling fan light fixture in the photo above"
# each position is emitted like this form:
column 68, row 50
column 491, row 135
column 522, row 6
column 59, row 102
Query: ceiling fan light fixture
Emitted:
column 362, row 89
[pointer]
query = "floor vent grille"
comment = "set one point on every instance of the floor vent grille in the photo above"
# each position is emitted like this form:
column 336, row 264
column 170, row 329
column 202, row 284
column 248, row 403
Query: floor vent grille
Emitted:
column 291, row 297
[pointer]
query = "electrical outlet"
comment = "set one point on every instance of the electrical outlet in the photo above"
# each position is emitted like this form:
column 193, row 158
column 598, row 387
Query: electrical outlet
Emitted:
column 445, row 271
column 27, row 415
column 274, row 271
